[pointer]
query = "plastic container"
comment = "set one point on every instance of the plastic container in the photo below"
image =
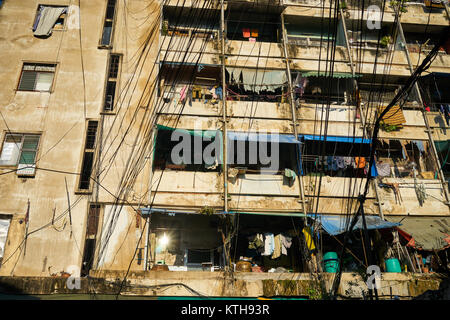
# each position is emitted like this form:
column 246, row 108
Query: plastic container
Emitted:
column 393, row 265
column 330, row 262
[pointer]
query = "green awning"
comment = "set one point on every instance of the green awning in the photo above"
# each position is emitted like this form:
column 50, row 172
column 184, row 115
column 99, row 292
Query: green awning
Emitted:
column 327, row 74
column 198, row 133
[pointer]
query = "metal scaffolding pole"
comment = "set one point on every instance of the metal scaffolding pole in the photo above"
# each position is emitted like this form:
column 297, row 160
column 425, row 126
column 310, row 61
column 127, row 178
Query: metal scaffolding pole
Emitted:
column 425, row 118
column 224, row 110
column 360, row 106
column 294, row 120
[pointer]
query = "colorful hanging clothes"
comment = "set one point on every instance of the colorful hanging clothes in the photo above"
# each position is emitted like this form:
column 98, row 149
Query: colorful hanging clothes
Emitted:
column 360, row 162
column 286, row 243
column 183, row 94
column 308, row 238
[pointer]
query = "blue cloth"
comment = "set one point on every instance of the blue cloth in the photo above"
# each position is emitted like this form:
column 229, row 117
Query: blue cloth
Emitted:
column 336, row 139
column 335, row 225
column 219, row 92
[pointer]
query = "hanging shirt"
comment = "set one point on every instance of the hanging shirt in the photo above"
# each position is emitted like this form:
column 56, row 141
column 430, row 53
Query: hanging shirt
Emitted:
column 340, row 163
column 308, row 238
column 268, row 244
column 277, row 246
column 348, row 161
column 360, row 162
column 286, row 243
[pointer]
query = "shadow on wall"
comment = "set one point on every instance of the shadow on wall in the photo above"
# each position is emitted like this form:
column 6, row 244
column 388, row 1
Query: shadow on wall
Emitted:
column 443, row 293
column 441, row 123
column 10, row 292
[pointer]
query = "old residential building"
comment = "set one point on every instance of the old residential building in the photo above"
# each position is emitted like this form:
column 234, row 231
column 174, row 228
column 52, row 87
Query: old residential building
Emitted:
column 95, row 93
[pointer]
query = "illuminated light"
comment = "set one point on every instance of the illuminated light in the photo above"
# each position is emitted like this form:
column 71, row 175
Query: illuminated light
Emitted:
column 164, row 240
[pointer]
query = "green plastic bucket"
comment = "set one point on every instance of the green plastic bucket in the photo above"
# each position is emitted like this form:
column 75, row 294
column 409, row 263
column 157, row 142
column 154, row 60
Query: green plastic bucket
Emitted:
column 330, row 262
column 393, row 265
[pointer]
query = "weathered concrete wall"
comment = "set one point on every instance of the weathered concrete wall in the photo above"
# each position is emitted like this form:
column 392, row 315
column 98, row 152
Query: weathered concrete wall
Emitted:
column 215, row 284
column 60, row 116
column 409, row 204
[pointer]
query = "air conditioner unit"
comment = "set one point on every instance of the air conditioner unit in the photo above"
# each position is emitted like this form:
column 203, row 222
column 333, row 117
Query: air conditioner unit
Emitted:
column 26, row 170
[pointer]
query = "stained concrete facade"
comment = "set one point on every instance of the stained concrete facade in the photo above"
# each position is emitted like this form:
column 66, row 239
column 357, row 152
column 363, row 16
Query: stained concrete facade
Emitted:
column 122, row 178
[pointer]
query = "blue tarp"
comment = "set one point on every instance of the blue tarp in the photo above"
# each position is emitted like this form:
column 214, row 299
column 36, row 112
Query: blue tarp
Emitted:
column 246, row 136
column 335, row 225
column 336, row 139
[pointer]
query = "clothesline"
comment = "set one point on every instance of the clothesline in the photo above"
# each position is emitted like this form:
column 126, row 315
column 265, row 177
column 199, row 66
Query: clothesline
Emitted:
column 266, row 95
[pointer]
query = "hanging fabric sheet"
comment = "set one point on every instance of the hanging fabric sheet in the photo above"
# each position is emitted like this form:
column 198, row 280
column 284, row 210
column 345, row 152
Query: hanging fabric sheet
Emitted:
column 257, row 80
column 46, row 19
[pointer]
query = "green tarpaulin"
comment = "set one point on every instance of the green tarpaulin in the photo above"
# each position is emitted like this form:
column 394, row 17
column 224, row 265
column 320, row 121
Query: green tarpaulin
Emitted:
column 442, row 146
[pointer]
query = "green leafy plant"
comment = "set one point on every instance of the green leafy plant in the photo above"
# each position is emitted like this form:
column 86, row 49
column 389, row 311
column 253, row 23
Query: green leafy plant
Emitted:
column 207, row 210
column 385, row 41
column 343, row 5
column 165, row 27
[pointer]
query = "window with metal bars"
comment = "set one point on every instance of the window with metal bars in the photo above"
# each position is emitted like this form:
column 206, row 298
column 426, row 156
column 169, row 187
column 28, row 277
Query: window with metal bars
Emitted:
column 113, row 74
column 107, row 33
column 88, row 156
column 36, row 77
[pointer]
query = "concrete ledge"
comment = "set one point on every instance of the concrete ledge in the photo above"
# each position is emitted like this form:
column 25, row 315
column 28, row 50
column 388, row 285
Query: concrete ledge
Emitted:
column 217, row 284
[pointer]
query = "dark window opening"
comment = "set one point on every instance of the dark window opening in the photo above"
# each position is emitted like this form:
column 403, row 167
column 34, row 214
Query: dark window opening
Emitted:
column 88, row 256
column 91, row 134
column 336, row 159
column 110, row 9
column 245, row 25
column 245, row 156
column 85, row 177
column 191, row 22
column 323, row 89
column 114, row 65
column 110, row 94
column 163, row 154
column 88, row 156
